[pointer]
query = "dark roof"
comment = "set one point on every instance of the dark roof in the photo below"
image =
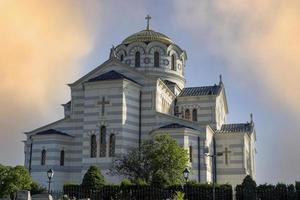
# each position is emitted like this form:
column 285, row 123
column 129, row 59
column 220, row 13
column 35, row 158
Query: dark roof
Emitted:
column 201, row 91
column 111, row 75
column 233, row 128
column 175, row 125
column 52, row 131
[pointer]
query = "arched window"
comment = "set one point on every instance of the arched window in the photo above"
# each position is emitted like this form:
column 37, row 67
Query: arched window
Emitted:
column 93, row 146
column 43, row 157
column 156, row 59
column 137, row 59
column 112, row 144
column 122, row 58
column 194, row 114
column 62, row 158
column 187, row 114
column 102, row 141
column 173, row 62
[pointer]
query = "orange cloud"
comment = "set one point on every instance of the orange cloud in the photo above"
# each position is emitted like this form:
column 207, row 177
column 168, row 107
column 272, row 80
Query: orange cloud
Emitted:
column 42, row 43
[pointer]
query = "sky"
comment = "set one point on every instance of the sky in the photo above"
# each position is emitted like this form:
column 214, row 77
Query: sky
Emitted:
column 254, row 44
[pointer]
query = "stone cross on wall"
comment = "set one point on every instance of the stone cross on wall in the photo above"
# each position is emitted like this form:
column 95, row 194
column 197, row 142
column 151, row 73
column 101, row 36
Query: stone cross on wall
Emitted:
column 103, row 103
column 226, row 152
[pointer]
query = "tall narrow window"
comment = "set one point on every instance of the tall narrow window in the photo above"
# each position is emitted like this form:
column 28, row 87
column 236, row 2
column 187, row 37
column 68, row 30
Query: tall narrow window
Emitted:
column 43, row 157
column 137, row 59
column 102, row 141
column 173, row 62
column 121, row 57
column 62, row 158
column 112, row 144
column 156, row 59
column 195, row 115
column 191, row 153
column 93, row 146
column 187, row 114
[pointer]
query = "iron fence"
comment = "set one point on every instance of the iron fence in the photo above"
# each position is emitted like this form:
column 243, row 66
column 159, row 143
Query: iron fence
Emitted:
column 146, row 193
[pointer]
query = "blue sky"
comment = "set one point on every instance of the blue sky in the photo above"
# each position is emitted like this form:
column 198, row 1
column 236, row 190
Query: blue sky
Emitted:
column 253, row 44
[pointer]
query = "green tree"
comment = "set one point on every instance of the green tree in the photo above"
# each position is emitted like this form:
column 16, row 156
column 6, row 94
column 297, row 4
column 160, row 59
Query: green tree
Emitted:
column 249, row 188
column 93, row 178
column 160, row 161
column 13, row 179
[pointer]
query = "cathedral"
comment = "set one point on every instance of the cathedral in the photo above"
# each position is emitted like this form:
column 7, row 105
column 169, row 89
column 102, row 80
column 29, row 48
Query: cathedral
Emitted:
column 139, row 92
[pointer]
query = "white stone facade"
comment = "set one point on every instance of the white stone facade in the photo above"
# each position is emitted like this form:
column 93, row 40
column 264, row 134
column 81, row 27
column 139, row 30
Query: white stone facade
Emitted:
column 118, row 104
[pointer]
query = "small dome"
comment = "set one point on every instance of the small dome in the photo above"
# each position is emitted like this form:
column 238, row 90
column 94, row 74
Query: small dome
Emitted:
column 148, row 36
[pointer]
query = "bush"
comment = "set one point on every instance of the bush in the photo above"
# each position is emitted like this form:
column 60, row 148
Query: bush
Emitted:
column 247, row 190
column 93, row 178
column 71, row 184
column 178, row 196
column 125, row 182
column 192, row 182
column 37, row 189
column 140, row 182
column 297, row 186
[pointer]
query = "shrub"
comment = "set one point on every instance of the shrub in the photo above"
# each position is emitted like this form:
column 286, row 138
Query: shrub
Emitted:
column 93, row 178
column 37, row 189
column 247, row 190
column 178, row 196
column 192, row 182
column 125, row 182
column 140, row 182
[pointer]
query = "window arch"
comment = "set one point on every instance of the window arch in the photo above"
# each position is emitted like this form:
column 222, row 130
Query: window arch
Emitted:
column 187, row 114
column 62, row 158
column 137, row 59
column 112, row 144
column 156, row 59
column 195, row 114
column 93, row 146
column 43, row 157
column 173, row 62
column 102, row 141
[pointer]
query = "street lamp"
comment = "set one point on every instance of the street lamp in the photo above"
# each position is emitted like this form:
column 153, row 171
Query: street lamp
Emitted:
column 50, row 174
column 186, row 174
column 213, row 156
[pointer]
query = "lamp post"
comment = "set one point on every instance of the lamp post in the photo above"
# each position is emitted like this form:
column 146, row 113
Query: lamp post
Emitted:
column 186, row 174
column 213, row 156
column 50, row 174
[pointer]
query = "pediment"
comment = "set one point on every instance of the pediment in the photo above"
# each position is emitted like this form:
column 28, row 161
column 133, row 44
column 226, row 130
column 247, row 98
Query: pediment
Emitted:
column 113, row 64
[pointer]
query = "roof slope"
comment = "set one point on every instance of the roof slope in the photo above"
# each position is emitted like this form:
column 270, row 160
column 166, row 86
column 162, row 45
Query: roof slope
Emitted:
column 234, row 128
column 175, row 125
column 201, row 91
column 52, row 131
column 111, row 75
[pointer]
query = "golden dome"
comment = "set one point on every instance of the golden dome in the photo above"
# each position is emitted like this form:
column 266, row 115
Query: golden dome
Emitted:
column 147, row 36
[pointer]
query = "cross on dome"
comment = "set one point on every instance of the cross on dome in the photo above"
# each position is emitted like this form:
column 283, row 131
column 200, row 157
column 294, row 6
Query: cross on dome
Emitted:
column 148, row 17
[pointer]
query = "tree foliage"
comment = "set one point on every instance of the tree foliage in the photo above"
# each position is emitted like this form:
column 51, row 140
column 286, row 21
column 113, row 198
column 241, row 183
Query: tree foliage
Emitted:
column 160, row 161
column 13, row 179
column 37, row 189
column 93, row 178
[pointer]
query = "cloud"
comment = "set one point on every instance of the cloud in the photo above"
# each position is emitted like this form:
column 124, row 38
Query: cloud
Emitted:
column 42, row 43
column 259, row 40
column 253, row 36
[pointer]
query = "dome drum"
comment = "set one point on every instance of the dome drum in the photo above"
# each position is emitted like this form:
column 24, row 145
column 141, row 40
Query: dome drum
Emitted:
column 155, row 54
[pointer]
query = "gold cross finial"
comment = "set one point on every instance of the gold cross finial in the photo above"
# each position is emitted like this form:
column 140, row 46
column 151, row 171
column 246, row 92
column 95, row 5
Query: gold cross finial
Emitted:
column 148, row 17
